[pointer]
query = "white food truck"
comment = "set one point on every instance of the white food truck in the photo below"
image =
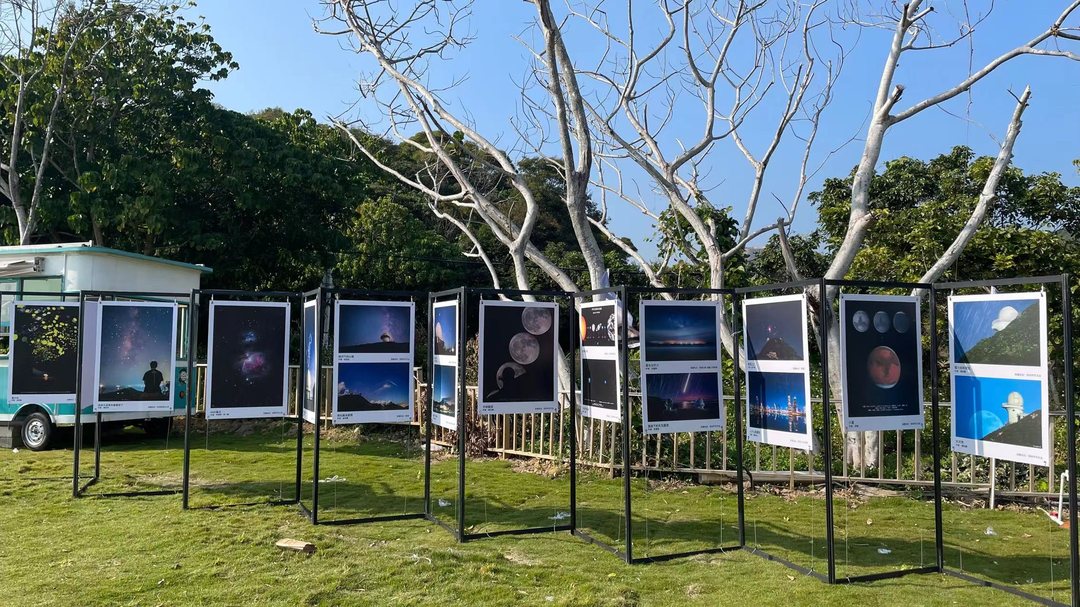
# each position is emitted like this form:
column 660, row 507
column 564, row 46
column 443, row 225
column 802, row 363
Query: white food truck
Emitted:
column 67, row 269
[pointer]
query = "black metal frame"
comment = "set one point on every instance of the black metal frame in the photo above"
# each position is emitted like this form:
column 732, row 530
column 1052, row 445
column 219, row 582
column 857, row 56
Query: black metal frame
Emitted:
column 195, row 307
column 334, row 294
column 1062, row 280
column 78, row 491
column 463, row 294
column 627, row 554
column 17, row 296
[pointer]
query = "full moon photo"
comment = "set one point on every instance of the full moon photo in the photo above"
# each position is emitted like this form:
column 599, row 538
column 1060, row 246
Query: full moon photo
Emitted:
column 517, row 353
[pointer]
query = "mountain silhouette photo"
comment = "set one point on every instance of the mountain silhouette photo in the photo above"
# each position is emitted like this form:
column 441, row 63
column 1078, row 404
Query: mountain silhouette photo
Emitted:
column 1016, row 344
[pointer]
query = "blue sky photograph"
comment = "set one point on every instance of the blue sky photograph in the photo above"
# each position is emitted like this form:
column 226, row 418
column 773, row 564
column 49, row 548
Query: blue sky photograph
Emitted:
column 978, row 403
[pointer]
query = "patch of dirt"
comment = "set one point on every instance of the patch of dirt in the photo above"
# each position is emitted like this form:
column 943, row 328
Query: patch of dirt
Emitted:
column 543, row 467
column 520, row 559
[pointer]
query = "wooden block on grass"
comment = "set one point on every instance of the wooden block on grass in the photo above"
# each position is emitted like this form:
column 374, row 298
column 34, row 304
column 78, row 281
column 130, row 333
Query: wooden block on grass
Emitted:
column 297, row 545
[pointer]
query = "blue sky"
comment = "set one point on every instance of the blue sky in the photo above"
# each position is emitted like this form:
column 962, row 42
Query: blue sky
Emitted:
column 283, row 62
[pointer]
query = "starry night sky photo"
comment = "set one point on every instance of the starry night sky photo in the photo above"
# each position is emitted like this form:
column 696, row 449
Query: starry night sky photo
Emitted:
column 683, row 396
column 774, row 331
column 249, row 356
column 369, row 386
column 680, row 332
column 374, row 329
column 131, row 338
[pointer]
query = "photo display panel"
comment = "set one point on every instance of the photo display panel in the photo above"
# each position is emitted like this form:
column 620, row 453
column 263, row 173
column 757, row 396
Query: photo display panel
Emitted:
column 444, row 343
column 519, row 346
column 881, row 362
column 998, row 372
column 680, row 367
column 247, row 363
column 601, row 390
column 311, row 359
column 44, row 355
column 778, row 409
column 136, row 355
column 373, row 357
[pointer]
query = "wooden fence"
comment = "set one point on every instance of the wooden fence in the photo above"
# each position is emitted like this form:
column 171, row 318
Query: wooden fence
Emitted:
column 904, row 457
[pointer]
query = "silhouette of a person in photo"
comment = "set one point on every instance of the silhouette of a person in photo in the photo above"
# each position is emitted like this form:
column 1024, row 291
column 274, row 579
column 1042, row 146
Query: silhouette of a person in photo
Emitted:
column 152, row 379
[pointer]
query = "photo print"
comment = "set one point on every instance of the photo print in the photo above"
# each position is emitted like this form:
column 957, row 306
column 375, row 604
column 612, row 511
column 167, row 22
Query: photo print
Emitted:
column 444, row 395
column 374, row 330
column 777, row 406
column 998, row 363
column 373, row 356
column 373, row 392
column 881, row 362
column 599, row 327
column 444, row 335
column 247, row 363
column 680, row 331
column 681, row 367
column 601, row 390
column 136, row 356
column 43, row 356
column 311, row 358
column 518, row 349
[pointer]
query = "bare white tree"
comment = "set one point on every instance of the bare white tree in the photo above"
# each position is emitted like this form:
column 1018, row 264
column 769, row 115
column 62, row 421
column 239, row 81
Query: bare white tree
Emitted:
column 733, row 69
column 912, row 32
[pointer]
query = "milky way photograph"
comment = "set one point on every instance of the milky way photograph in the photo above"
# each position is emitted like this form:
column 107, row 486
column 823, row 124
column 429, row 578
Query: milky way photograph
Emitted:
column 679, row 332
column 248, row 358
column 44, row 352
column 374, row 328
column 136, row 352
column 774, row 330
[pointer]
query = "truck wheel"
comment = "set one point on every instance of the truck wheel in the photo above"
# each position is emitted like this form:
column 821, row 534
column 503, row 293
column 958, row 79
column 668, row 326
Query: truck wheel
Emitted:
column 37, row 432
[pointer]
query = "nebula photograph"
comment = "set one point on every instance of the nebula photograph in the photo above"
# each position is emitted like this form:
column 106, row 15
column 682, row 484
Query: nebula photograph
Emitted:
column 1005, row 331
column 44, row 352
column 774, row 331
column 374, row 328
column 517, row 354
column 136, row 352
column 882, row 370
column 598, row 325
column 373, row 386
column 682, row 396
column 444, row 334
column 248, row 358
column 444, row 390
column 679, row 332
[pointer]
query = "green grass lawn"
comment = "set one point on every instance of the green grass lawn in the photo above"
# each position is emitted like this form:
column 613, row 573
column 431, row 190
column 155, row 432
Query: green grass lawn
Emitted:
column 57, row 550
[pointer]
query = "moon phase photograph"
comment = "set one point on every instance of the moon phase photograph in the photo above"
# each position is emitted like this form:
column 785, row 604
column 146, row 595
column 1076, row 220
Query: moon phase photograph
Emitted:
column 44, row 349
column 247, row 356
column 598, row 326
column 774, row 331
column 518, row 353
column 881, row 358
column 136, row 352
column 374, row 329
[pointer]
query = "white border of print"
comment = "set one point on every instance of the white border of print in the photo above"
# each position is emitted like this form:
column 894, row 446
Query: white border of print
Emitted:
column 1013, row 453
column 780, row 438
column 21, row 399
column 345, row 357
column 442, row 360
column 601, row 353
column 400, row 416
column 310, row 415
column 277, row 410
column 101, row 406
column 373, row 417
column 445, row 359
column 534, row 406
column 881, row 422
column 678, row 366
